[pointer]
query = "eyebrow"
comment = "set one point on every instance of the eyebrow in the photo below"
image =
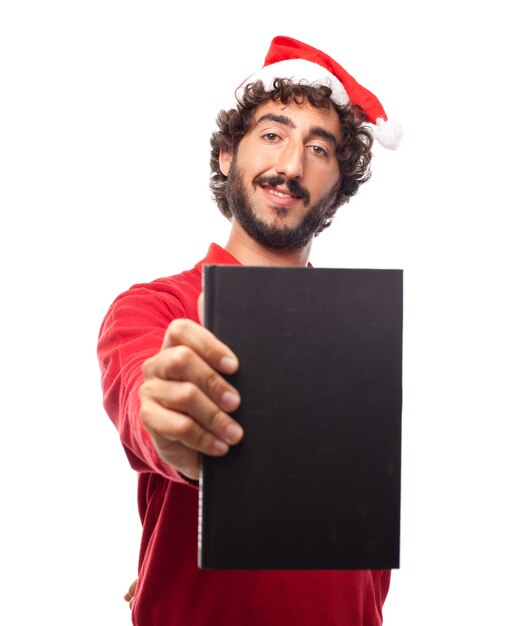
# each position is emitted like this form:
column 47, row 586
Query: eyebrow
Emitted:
column 273, row 117
column 318, row 131
column 315, row 131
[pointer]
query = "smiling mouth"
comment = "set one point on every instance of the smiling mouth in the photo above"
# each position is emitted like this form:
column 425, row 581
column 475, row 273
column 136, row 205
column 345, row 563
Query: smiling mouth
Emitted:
column 281, row 193
column 287, row 189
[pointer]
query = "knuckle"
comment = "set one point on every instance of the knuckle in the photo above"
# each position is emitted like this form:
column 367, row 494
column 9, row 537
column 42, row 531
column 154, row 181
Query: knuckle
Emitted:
column 143, row 391
column 176, row 330
column 211, row 384
column 216, row 419
column 146, row 389
column 210, row 349
column 201, row 439
column 185, row 430
column 144, row 416
column 187, row 393
column 181, row 356
column 147, row 367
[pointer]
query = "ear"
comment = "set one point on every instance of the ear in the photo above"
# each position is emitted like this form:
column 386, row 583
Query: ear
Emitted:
column 225, row 160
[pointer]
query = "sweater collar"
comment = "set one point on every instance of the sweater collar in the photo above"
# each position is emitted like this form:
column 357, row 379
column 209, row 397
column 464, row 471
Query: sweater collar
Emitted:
column 217, row 256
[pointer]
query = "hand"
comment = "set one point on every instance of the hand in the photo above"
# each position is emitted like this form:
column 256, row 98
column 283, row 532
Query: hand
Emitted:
column 184, row 399
column 129, row 596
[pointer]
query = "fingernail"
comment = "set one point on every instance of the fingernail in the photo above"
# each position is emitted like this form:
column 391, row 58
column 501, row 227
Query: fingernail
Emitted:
column 230, row 401
column 234, row 433
column 228, row 364
column 220, row 447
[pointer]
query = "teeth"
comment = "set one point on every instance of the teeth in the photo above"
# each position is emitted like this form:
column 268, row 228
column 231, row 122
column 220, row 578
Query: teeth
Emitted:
column 280, row 194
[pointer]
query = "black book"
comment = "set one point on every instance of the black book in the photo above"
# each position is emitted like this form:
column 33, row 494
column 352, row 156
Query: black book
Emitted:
column 315, row 483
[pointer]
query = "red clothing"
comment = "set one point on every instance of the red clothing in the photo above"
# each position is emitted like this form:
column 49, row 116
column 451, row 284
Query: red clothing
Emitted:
column 171, row 589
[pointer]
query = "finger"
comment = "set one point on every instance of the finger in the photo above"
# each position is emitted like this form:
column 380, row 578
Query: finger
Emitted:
column 168, row 427
column 187, row 398
column 181, row 363
column 184, row 460
column 132, row 590
column 203, row 342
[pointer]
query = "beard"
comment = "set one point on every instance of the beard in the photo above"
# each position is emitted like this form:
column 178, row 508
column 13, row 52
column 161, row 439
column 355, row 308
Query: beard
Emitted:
column 269, row 235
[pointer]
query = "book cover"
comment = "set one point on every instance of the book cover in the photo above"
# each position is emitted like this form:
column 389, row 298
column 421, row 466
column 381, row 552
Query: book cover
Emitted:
column 315, row 483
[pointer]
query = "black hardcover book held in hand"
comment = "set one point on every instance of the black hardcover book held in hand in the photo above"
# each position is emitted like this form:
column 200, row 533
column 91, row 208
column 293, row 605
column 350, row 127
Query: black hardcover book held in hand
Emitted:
column 315, row 483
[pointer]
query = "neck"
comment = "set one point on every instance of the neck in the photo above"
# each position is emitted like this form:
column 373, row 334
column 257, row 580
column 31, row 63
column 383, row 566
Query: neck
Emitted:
column 250, row 252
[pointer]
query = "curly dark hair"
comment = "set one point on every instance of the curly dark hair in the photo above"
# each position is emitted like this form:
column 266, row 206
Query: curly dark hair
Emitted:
column 353, row 154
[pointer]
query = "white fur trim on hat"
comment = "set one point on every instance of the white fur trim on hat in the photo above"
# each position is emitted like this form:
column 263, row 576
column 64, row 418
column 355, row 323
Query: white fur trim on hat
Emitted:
column 299, row 70
column 388, row 133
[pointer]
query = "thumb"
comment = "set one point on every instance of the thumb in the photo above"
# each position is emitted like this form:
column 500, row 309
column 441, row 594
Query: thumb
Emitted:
column 201, row 307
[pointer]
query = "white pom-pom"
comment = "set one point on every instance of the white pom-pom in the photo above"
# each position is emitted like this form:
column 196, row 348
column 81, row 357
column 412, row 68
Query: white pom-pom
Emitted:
column 388, row 133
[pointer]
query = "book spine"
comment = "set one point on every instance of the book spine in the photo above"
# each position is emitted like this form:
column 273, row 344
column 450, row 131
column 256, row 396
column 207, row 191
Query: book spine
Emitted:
column 209, row 321
column 210, row 296
column 200, row 517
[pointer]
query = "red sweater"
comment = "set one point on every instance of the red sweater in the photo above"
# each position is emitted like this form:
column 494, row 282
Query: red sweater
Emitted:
column 171, row 589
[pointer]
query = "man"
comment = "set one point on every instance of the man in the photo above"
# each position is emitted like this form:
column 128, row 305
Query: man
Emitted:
column 294, row 149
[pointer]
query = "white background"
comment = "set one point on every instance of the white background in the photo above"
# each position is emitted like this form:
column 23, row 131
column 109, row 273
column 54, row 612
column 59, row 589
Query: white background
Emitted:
column 106, row 110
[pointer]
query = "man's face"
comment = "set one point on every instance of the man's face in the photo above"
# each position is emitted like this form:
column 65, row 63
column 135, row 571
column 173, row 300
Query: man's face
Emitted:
column 285, row 174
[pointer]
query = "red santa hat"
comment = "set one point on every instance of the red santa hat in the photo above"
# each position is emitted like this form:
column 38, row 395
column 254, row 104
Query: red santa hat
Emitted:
column 289, row 58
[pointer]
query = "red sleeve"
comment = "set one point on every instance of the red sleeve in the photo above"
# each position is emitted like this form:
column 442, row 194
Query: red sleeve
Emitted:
column 132, row 331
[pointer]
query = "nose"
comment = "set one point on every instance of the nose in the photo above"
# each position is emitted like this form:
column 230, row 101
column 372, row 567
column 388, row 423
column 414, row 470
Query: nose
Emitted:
column 290, row 160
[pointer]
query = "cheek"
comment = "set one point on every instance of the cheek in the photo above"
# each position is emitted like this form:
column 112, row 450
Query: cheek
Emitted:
column 253, row 161
column 326, row 184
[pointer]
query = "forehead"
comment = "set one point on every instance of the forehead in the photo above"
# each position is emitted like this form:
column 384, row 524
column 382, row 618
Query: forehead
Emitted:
column 303, row 116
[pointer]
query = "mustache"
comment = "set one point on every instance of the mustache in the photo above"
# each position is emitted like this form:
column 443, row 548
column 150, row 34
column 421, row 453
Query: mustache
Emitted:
column 292, row 185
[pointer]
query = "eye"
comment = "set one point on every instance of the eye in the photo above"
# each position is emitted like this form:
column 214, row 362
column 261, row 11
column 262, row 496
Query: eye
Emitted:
column 318, row 151
column 271, row 137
